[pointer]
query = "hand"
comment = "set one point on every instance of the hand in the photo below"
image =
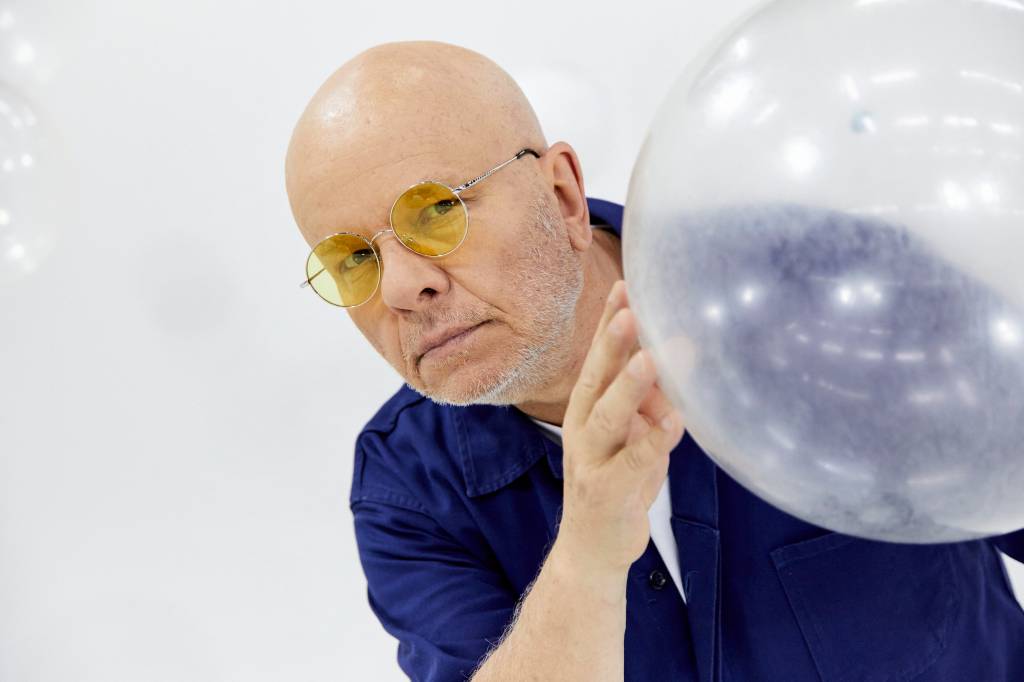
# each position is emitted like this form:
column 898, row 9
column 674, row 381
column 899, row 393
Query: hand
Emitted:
column 618, row 431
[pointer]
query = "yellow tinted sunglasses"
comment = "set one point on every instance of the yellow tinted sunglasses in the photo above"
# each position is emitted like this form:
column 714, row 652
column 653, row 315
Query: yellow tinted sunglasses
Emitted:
column 429, row 218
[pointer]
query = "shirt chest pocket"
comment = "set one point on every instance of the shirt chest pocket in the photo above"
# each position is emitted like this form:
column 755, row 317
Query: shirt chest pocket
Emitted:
column 870, row 611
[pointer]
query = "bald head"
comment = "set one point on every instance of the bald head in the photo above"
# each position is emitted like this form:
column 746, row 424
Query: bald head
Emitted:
column 397, row 100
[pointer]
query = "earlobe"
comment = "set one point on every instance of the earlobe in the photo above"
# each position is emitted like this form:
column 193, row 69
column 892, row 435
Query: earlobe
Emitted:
column 563, row 171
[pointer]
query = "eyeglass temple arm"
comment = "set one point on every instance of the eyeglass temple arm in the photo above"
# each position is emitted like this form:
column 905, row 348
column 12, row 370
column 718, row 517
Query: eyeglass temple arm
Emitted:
column 306, row 282
column 519, row 155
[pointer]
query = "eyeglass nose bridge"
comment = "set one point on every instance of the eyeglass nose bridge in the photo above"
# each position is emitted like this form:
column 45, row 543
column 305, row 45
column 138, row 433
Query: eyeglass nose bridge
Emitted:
column 380, row 256
column 382, row 231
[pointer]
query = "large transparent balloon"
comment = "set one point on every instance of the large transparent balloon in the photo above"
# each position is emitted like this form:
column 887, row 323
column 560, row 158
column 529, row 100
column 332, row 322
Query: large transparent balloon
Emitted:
column 29, row 31
column 824, row 246
column 35, row 189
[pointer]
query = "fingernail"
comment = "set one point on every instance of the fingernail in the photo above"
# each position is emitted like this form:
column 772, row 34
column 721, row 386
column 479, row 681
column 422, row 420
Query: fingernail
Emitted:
column 636, row 365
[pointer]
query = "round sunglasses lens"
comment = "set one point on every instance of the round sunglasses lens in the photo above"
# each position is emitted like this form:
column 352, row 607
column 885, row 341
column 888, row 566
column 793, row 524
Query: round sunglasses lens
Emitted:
column 430, row 219
column 343, row 270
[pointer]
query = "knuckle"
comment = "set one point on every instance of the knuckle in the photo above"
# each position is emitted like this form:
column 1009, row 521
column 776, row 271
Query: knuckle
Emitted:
column 586, row 385
column 582, row 490
column 635, row 386
column 579, row 487
column 636, row 457
column 601, row 421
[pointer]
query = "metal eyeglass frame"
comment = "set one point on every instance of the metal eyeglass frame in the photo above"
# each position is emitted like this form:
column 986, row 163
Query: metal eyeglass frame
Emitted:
column 454, row 190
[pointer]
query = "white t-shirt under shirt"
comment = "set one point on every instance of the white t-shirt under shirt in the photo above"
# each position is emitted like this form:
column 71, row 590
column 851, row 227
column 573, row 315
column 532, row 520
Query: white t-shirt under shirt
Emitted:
column 660, row 516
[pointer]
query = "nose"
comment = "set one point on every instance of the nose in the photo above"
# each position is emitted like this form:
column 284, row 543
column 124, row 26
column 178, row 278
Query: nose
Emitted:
column 408, row 281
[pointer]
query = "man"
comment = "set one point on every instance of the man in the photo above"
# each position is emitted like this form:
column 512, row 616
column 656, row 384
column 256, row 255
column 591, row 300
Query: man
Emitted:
column 492, row 547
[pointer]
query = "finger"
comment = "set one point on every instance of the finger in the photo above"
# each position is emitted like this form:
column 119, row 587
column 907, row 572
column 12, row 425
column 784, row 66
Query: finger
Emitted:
column 609, row 423
column 653, row 407
column 638, row 428
column 613, row 303
column 636, row 461
column 581, row 399
column 656, row 405
column 608, row 352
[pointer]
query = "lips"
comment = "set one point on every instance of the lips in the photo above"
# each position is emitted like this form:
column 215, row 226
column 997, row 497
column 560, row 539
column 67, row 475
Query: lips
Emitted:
column 435, row 340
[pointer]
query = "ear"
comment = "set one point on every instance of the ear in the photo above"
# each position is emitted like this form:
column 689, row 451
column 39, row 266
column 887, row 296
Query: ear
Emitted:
column 561, row 169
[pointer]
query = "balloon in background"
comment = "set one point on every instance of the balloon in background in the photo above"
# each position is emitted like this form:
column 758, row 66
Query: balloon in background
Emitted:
column 823, row 242
column 34, row 186
column 28, row 56
column 32, row 203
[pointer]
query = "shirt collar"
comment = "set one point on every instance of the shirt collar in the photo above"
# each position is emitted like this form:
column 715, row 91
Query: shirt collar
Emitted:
column 497, row 445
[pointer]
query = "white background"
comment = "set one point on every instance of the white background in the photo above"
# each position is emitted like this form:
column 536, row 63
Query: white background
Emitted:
column 176, row 415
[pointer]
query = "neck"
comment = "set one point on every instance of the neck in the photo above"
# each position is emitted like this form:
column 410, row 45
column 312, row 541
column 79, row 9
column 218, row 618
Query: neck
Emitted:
column 602, row 268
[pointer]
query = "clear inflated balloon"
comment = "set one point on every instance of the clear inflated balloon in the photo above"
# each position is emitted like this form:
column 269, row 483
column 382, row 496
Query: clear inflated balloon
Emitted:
column 29, row 57
column 33, row 188
column 823, row 242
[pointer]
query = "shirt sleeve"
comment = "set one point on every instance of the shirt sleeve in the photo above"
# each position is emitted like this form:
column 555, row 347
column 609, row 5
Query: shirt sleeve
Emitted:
column 445, row 607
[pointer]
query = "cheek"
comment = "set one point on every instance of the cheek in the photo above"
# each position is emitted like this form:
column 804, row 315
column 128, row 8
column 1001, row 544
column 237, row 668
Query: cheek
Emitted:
column 505, row 260
column 377, row 331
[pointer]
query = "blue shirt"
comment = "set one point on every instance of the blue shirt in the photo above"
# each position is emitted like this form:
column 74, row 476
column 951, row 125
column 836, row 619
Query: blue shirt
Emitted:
column 455, row 509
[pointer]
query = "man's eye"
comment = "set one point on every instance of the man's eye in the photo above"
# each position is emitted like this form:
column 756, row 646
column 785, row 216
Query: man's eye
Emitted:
column 355, row 259
column 444, row 206
column 435, row 210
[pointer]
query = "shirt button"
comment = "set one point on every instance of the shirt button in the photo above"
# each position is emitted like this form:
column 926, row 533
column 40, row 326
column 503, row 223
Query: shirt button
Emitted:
column 657, row 579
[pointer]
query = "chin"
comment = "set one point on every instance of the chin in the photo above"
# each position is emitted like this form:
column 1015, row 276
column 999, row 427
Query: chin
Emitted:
column 475, row 384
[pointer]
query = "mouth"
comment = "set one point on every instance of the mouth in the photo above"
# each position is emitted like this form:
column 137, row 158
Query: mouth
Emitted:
column 451, row 344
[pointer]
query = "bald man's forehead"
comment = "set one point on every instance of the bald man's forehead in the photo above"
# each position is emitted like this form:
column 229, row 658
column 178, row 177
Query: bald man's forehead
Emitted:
column 397, row 100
